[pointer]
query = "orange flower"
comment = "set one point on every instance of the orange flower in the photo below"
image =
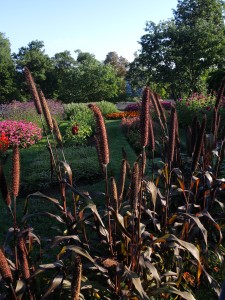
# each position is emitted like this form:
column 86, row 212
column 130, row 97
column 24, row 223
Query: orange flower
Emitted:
column 124, row 114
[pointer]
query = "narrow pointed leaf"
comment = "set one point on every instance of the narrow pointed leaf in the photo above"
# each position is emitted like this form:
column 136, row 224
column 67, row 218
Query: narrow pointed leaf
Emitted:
column 40, row 196
column 54, row 284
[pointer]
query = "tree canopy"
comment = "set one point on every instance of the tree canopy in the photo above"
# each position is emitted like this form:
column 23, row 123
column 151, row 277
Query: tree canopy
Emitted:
column 180, row 52
column 7, row 70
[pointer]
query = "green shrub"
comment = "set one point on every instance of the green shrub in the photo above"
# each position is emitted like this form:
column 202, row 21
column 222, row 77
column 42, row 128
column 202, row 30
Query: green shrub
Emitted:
column 79, row 111
column 107, row 107
column 81, row 133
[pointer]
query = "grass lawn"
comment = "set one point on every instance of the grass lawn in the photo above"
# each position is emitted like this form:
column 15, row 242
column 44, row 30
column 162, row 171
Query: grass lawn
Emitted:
column 36, row 174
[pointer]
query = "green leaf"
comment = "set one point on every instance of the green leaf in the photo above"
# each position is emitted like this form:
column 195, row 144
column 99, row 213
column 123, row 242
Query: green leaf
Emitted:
column 136, row 282
column 54, row 284
column 171, row 290
column 67, row 170
column 45, row 213
column 120, row 222
column 40, row 196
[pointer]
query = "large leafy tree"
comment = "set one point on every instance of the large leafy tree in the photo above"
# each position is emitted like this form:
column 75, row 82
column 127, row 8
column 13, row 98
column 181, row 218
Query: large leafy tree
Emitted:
column 7, row 71
column 119, row 63
column 179, row 53
column 89, row 80
column 33, row 56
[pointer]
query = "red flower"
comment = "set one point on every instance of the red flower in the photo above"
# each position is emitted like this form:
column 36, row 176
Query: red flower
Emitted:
column 4, row 142
column 75, row 129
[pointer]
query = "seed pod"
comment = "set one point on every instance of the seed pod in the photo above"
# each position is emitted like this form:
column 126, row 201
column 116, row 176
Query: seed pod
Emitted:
column 101, row 133
column 123, row 170
column 46, row 110
column 5, row 269
column 134, row 188
column 114, row 194
column 57, row 132
column 151, row 134
column 124, row 154
column 194, row 134
column 156, row 107
column 33, row 90
column 76, row 277
column 15, row 171
column 160, row 107
column 199, row 145
column 172, row 135
column 188, row 141
column 144, row 117
column 97, row 145
column 22, row 256
column 220, row 94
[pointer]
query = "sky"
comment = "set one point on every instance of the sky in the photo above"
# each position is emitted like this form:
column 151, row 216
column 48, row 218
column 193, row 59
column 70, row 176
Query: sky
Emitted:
column 95, row 26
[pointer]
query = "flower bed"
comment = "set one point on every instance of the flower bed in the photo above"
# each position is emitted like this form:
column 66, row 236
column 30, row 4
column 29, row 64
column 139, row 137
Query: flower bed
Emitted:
column 20, row 133
column 120, row 115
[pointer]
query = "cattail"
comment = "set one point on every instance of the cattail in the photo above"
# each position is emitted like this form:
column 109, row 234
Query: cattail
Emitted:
column 33, row 90
column 46, row 110
column 220, row 94
column 188, row 141
column 199, row 145
column 144, row 117
column 177, row 130
column 218, row 123
column 5, row 269
column 122, row 177
column 124, row 154
column 22, row 256
column 76, row 279
column 97, row 145
column 15, row 171
column 4, row 188
column 223, row 134
column 134, row 188
column 214, row 121
column 144, row 162
column 57, row 132
column 113, row 194
column 161, row 109
column 151, row 134
column 101, row 133
column 152, row 97
column 172, row 136
column 194, row 134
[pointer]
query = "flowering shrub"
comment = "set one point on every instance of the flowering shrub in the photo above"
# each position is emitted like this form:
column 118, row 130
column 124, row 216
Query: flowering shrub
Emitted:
column 20, row 133
column 78, row 133
column 4, row 142
column 133, row 106
column 166, row 104
column 26, row 111
column 120, row 115
column 197, row 105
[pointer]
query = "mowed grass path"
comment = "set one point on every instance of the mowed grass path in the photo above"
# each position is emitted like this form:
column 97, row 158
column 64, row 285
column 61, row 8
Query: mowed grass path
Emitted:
column 37, row 154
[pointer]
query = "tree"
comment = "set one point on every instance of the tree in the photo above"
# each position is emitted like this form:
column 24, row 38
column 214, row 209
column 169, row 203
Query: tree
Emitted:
column 179, row 53
column 7, row 71
column 119, row 63
column 89, row 81
column 33, row 56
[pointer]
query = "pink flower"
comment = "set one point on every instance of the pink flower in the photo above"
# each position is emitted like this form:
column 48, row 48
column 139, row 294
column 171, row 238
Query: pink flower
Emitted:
column 21, row 133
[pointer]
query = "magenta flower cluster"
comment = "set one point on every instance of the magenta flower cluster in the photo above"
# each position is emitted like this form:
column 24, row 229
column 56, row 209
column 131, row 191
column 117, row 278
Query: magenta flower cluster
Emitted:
column 21, row 133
